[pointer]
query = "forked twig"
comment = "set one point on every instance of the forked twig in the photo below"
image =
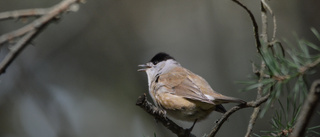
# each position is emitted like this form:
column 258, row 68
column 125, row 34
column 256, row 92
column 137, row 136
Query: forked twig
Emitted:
column 225, row 116
column 15, row 50
column 25, row 34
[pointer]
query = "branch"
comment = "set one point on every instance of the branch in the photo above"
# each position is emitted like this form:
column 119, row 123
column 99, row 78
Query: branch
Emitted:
column 15, row 50
column 303, row 69
column 264, row 36
column 52, row 13
column 22, row 13
column 257, row 109
column 160, row 115
column 28, row 32
column 252, row 121
column 264, row 23
column 307, row 110
column 273, row 18
column 226, row 115
column 254, row 23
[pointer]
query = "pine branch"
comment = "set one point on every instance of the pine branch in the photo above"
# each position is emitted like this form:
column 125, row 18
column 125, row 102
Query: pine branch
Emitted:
column 307, row 110
column 303, row 69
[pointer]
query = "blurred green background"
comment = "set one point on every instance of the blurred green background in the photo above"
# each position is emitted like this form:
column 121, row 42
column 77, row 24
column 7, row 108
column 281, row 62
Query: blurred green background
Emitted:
column 79, row 77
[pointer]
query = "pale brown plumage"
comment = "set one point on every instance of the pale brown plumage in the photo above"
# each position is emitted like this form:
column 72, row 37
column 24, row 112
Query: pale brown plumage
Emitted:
column 182, row 89
column 181, row 93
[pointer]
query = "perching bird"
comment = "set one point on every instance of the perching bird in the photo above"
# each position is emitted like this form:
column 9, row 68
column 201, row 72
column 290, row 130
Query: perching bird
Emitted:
column 181, row 93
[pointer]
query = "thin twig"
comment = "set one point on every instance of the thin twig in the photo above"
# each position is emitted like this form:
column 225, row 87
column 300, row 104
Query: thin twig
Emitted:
column 252, row 121
column 15, row 50
column 28, row 32
column 262, row 68
column 264, row 24
column 254, row 23
column 273, row 18
column 303, row 69
column 257, row 109
column 23, row 13
column 226, row 115
column 307, row 110
column 159, row 115
column 264, row 37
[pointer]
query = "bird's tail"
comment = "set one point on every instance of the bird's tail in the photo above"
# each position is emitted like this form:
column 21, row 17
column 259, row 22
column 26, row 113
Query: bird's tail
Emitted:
column 225, row 99
column 220, row 109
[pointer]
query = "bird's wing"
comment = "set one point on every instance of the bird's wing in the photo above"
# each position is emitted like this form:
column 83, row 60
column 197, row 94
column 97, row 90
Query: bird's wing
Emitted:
column 181, row 84
column 189, row 85
column 217, row 98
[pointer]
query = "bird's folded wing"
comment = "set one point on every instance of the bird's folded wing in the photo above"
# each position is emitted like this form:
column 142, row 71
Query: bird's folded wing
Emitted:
column 217, row 98
column 189, row 85
column 182, row 85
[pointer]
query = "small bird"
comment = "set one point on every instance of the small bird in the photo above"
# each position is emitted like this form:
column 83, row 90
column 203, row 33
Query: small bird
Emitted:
column 181, row 93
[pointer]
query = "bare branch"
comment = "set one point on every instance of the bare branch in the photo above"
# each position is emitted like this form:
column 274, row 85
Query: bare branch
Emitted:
column 28, row 32
column 252, row 121
column 273, row 18
column 257, row 109
column 264, row 37
column 254, row 23
column 261, row 71
column 15, row 50
column 160, row 115
column 226, row 115
column 55, row 11
column 264, row 24
column 307, row 110
column 22, row 13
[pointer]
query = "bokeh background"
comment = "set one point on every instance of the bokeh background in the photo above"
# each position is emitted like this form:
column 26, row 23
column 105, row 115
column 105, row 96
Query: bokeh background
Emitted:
column 79, row 77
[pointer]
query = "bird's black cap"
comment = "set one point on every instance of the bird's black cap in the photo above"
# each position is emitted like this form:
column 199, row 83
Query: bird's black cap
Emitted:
column 160, row 57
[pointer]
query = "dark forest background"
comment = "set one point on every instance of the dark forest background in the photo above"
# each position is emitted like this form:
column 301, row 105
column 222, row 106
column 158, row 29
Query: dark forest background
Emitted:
column 79, row 77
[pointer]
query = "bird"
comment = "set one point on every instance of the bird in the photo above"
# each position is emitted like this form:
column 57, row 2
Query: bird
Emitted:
column 181, row 93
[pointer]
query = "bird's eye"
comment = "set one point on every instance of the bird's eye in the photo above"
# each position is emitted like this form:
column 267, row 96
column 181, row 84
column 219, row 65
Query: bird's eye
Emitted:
column 155, row 62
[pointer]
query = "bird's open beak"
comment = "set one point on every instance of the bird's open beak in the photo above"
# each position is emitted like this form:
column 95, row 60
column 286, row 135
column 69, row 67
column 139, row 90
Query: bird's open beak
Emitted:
column 144, row 67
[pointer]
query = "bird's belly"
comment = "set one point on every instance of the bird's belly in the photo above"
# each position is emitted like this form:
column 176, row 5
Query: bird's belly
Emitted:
column 189, row 115
column 184, row 109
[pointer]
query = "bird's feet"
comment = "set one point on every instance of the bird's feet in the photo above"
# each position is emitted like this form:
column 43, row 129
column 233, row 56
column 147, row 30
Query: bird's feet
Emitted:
column 190, row 129
column 160, row 112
